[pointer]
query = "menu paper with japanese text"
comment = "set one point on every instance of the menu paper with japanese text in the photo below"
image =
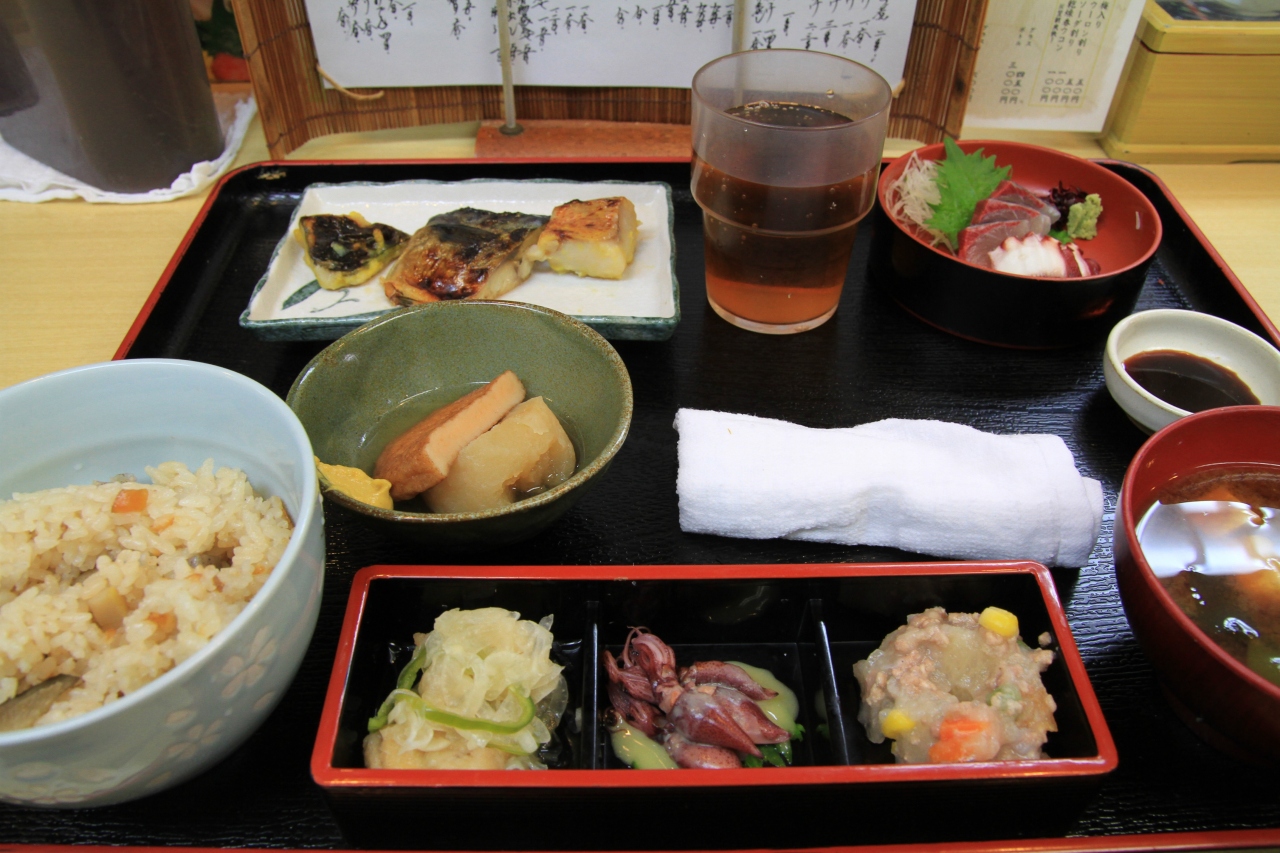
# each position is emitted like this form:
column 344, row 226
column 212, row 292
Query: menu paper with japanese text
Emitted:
column 1050, row 64
column 386, row 43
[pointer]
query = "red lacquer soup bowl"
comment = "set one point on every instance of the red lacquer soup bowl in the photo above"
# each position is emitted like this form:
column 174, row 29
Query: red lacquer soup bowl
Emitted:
column 1028, row 312
column 1230, row 705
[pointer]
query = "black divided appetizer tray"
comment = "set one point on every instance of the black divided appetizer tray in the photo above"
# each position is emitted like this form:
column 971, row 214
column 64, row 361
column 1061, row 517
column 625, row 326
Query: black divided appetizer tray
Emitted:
column 871, row 361
column 805, row 624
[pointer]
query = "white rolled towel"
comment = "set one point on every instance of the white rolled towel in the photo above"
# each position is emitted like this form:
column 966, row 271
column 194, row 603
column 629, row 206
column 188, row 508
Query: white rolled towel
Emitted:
column 930, row 487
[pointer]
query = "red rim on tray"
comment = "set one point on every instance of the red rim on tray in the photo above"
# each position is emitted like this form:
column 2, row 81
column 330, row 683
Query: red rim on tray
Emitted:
column 808, row 622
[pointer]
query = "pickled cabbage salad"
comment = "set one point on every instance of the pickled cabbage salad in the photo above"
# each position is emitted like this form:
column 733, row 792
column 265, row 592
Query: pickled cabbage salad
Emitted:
column 480, row 692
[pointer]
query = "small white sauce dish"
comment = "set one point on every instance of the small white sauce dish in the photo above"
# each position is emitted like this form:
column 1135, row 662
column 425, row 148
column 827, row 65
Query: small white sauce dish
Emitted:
column 1254, row 360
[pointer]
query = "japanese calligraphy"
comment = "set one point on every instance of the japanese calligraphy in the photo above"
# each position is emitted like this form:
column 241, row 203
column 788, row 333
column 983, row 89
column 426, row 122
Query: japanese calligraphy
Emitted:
column 590, row 42
column 1040, row 58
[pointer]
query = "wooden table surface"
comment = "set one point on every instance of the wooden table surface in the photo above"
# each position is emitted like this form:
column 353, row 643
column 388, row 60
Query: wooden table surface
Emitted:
column 77, row 273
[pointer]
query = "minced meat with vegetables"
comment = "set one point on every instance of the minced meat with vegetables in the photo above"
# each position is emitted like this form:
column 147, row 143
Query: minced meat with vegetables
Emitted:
column 957, row 687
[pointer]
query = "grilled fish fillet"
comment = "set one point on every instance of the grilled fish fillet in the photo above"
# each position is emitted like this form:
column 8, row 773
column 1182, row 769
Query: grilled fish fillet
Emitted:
column 344, row 251
column 465, row 254
column 594, row 238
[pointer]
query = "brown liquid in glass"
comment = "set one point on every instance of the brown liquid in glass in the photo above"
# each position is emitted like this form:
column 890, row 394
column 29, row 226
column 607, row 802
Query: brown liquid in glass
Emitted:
column 779, row 254
column 1188, row 381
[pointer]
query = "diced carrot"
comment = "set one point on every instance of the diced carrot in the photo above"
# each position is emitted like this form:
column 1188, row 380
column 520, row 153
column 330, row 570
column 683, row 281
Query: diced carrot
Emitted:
column 960, row 739
column 166, row 624
column 948, row 751
column 130, row 500
column 959, row 728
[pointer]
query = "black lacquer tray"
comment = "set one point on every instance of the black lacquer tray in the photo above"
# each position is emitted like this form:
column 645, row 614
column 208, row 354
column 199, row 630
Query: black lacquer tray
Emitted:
column 871, row 361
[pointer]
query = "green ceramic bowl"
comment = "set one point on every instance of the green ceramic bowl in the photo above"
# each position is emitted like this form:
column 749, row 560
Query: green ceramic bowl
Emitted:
column 375, row 382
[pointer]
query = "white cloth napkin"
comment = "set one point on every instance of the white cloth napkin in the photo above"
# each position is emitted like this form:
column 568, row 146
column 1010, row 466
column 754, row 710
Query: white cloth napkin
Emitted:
column 24, row 178
column 931, row 487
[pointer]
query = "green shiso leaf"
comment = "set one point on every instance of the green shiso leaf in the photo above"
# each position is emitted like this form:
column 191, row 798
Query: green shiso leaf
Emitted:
column 963, row 181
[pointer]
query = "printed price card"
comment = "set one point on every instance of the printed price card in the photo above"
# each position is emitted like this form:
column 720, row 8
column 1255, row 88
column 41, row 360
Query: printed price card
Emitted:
column 381, row 43
column 1050, row 65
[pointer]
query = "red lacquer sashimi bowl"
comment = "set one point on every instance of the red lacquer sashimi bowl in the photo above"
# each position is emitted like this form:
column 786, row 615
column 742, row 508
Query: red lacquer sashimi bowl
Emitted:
column 1004, row 309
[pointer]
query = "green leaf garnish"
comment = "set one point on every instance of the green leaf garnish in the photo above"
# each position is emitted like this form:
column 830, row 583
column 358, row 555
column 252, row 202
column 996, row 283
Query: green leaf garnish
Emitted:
column 775, row 754
column 963, row 180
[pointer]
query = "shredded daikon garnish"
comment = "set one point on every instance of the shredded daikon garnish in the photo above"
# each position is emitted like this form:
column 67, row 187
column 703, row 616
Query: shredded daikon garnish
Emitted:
column 914, row 194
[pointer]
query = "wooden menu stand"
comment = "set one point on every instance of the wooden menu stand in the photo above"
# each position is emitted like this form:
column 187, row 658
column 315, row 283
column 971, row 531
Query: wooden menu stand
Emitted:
column 549, row 139
column 295, row 106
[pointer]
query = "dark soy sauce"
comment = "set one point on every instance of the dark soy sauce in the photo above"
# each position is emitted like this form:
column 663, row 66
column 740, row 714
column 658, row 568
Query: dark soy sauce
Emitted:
column 1188, row 381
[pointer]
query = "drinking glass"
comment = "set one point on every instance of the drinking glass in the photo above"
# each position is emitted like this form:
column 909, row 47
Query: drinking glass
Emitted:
column 786, row 152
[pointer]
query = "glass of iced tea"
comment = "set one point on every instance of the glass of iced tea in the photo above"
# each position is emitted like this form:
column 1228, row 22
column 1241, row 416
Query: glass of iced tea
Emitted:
column 786, row 151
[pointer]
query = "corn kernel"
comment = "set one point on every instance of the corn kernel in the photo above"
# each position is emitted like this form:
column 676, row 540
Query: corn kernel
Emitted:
column 999, row 621
column 896, row 724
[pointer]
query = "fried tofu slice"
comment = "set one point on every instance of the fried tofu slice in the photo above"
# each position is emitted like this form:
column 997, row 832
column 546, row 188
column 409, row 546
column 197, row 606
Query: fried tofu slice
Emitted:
column 528, row 451
column 594, row 238
column 464, row 254
column 423, row 455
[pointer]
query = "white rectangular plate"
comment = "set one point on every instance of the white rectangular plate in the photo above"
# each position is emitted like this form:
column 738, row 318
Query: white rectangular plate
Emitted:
column 644, row 304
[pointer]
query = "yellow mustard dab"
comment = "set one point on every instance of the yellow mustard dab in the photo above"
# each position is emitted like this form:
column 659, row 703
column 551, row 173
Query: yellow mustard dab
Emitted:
column 357, row 484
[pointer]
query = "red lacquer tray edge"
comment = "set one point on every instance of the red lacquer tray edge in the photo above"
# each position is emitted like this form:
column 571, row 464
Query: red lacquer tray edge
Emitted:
column 1174, row 841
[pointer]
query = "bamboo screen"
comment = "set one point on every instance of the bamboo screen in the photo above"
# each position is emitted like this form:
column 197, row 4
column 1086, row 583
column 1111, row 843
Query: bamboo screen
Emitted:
column 295, row 106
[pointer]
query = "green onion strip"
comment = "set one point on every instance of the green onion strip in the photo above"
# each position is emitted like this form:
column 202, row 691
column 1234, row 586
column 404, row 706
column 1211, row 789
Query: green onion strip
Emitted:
column 448, row 718
column 404, row 691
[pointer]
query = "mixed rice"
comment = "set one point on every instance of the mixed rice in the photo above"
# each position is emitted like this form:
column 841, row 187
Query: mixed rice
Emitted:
column 118, row 582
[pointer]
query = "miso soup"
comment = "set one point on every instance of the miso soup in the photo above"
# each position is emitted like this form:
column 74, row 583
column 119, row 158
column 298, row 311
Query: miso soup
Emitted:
column 1213, row 540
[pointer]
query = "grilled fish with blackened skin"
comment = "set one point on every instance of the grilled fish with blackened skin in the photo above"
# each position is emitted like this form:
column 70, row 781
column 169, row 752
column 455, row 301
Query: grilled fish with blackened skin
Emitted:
column 465, row 254
column 344, row 251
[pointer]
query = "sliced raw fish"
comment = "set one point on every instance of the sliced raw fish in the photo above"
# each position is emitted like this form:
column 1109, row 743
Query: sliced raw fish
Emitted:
column 1004, row 210
column 1086, row 266
column 1041, row 256
column 978, row 241
column 1010, row 191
